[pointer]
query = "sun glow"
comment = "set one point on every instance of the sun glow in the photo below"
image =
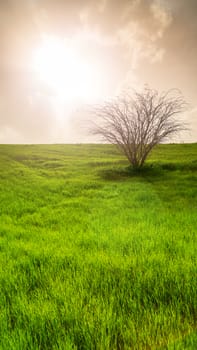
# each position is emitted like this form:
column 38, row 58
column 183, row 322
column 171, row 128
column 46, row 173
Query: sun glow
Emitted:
column 72, row 76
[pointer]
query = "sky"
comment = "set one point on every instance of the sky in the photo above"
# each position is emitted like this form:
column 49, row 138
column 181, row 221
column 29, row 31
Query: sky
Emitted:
column 57, row 56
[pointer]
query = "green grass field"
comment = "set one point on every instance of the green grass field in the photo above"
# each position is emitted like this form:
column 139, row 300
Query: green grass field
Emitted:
column 93, row 255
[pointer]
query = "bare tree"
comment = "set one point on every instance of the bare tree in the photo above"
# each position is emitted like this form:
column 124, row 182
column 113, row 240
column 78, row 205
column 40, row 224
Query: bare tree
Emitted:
column 139, row 121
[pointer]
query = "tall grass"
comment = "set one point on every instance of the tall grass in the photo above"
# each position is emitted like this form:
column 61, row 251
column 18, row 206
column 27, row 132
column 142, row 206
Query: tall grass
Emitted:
column 94, row 255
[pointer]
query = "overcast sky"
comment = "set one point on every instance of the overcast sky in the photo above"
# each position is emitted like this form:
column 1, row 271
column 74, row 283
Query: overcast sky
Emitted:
column 131, row 42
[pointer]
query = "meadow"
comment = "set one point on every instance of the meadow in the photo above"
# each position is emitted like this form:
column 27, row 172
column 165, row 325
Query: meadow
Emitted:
column 93, row 255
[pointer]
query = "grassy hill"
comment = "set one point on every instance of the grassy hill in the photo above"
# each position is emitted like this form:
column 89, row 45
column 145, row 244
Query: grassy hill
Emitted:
column 94, row 255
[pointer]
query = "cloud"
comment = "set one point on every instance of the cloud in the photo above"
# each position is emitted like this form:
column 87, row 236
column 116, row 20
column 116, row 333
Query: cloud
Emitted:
column 143, row 29
column 29, row 117
column 163, row 17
